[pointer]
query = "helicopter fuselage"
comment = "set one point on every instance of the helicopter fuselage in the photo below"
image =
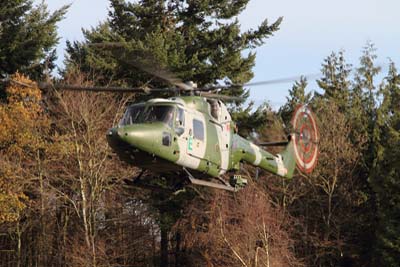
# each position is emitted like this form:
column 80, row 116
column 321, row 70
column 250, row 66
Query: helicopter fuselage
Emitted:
column 164, row 135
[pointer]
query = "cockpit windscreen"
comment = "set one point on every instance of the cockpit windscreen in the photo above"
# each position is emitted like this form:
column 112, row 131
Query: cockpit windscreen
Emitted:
column 142, row 114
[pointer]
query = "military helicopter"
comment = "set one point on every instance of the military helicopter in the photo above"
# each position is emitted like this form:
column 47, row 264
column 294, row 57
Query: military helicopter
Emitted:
column 195, row 137
column 192, row 138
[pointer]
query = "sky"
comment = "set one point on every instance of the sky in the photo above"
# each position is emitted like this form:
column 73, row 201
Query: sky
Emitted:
column 310, row 31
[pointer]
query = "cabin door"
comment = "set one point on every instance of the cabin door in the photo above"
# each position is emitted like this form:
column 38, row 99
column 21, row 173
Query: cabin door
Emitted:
column 197, row 139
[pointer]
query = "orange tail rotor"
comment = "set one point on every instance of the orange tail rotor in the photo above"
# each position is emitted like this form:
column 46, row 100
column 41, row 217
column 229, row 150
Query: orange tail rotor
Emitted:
column 306, row 138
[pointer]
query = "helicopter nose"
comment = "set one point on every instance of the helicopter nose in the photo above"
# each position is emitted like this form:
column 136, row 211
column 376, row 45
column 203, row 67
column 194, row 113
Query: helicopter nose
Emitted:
column 114, row 138
column 141, row 136
column 118, row 133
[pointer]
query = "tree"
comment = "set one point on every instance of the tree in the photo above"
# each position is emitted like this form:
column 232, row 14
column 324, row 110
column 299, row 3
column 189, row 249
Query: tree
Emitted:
column 386, row 173
column 297, row 96
column 244, row 229
column 25, row 129
column 364, row 101
column 86, row 172
column 28, row 35
column 335, row 81
column 22, row 123
column 198, row 40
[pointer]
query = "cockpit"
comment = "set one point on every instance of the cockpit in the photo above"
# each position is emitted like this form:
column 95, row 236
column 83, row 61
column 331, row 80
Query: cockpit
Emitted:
column 142, row 113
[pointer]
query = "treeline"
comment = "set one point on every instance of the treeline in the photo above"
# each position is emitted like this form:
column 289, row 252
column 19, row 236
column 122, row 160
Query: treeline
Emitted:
column 63, row 199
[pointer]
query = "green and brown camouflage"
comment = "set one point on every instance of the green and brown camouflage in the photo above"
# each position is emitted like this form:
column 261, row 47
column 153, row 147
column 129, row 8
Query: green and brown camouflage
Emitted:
column 194, row 133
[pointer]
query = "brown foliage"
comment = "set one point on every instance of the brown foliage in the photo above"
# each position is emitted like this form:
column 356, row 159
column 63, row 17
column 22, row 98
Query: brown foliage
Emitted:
column 22, row 126
column 244, row 229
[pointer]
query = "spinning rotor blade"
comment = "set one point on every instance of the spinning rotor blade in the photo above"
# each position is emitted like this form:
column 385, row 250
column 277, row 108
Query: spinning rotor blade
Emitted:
column 8, row 80
column 305, row 138
column 284, row 80
column 80, row 88
column 267, row 82
column 222, row 97
column 149, row 65
column 161, row 73
column 101, row 88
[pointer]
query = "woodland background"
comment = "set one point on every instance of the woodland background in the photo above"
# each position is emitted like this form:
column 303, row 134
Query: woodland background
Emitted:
column 63, row 201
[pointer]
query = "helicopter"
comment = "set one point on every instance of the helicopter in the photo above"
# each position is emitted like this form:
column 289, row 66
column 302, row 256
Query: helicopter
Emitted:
column 195, row 137
column 191, row 138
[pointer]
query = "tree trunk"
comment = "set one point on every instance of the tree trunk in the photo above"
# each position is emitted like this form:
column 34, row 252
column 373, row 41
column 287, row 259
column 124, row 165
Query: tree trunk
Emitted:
column 164, row 247
column 19, row 244
column 177, row 248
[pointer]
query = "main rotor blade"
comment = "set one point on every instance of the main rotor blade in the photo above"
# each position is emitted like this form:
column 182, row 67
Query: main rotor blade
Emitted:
column 9, row 80
column 161, row 73
column 222, row 97
column 284, row 80
column 267, row 82
column 69, row 87
column 147, row 64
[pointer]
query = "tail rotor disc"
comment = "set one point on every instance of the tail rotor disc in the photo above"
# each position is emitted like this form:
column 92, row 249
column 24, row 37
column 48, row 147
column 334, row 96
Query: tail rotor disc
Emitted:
column 305, row 138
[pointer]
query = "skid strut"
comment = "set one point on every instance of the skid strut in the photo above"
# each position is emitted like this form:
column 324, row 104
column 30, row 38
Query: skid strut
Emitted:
column 209, row 184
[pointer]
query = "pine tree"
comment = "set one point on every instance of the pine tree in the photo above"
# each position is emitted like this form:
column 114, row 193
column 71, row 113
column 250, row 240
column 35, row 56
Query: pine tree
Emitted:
column 335, row 81
column 198, row 40
column 297, row 96
column 385, row 178
column 363, row 98
column 28, row 35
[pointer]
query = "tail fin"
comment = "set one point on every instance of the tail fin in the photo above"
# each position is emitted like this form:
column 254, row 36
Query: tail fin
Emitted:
column 288, row 158
column 302, row 149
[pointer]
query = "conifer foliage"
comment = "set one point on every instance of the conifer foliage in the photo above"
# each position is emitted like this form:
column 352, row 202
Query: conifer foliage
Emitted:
column 200, row 41
column 28, row 35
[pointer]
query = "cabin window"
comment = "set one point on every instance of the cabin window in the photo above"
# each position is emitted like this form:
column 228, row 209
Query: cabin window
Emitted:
column 198, row 130
column 214, row 108
column 166, row 139
column 180, row 118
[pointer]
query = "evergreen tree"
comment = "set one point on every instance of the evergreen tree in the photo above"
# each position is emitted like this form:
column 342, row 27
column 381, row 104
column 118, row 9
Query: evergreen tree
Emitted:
column 27, row 37
column 385, row 178
column 297, row 96
column 335, row 81
column 364, row 135
column 198, row 40
column 363, row 100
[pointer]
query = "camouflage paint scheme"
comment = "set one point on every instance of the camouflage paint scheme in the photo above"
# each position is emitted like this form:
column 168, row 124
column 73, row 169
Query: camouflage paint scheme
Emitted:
column 217, row 151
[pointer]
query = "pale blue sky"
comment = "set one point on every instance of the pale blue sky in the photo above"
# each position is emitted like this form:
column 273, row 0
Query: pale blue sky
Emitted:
column 311, row 29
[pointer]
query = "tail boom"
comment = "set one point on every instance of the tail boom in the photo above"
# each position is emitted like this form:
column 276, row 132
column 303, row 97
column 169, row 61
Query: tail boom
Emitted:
column 282, row 164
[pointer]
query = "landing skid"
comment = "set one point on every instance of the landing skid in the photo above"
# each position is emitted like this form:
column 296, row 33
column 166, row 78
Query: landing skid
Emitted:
column 225, row 186
column 235, row 184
